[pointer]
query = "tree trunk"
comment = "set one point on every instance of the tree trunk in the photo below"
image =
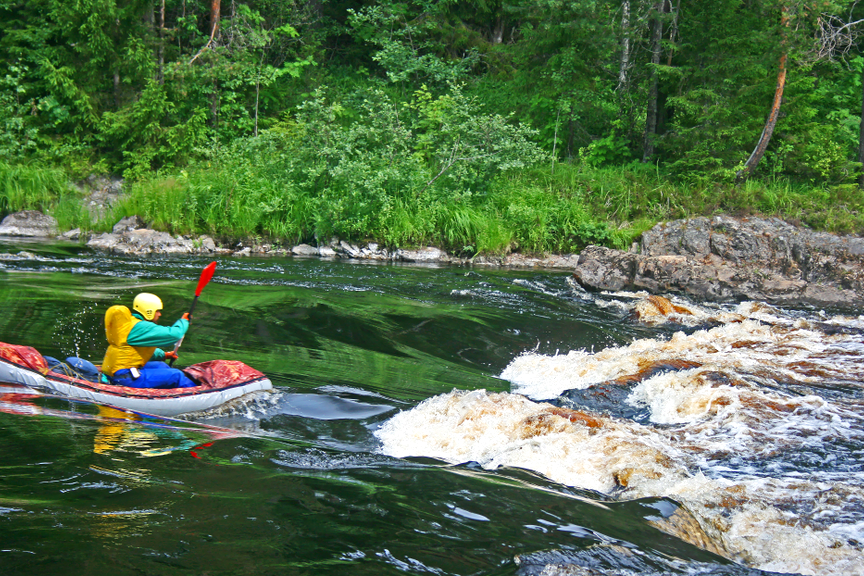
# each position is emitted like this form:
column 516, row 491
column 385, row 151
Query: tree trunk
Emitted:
column 498, row 32
column 673, row 31
column 160, row 50
column 116, row 89
column 215, row 12
column 653, row 90
column 625, row 46
column 768, row 130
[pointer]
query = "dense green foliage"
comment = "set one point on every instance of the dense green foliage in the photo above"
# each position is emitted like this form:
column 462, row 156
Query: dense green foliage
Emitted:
column 487, row 125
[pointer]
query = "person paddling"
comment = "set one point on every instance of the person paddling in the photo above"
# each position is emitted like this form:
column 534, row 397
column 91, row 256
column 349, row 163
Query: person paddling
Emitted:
column 133, row 357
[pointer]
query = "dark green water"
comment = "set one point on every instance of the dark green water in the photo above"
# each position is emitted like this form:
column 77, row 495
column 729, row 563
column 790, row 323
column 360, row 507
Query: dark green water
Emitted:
column 295, row 483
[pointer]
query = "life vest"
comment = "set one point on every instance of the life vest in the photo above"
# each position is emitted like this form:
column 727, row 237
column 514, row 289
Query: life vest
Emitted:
column 120, row 355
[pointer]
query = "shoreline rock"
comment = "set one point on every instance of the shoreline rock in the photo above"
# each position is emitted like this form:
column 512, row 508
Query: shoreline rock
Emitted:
column 728, row 259
column 713, row 259
column 29, row 223
column 131, row 237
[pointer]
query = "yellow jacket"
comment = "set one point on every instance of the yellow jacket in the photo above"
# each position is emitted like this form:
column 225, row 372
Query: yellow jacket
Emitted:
column 120, row 355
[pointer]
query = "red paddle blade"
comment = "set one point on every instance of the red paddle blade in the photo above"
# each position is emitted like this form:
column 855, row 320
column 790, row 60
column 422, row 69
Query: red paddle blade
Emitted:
column 206, row 275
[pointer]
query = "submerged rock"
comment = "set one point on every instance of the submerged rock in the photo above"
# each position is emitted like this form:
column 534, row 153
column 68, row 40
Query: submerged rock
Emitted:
column 30, row 223
column 724, row 258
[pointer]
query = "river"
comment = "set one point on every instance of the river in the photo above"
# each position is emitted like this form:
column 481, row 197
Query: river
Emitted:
column 440, row 420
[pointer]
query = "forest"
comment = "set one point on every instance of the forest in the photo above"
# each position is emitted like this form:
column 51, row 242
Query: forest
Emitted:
column 478, row 126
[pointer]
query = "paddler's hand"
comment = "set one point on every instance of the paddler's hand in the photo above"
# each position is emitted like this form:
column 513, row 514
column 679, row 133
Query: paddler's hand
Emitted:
column 171, row 356
column 187, row 317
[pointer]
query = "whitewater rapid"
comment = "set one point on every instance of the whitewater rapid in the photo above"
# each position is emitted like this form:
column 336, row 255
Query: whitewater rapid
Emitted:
column 750, row 417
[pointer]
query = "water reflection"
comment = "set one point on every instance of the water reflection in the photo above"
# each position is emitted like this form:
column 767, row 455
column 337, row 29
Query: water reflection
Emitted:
column 119, row 433
column 145, row 436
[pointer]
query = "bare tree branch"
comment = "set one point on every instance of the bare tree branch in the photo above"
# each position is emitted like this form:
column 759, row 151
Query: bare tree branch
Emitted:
column 835, row 37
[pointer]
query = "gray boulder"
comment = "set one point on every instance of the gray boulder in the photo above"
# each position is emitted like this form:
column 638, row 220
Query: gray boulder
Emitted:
column 128, row 224
column 428, row 254
column 304, row 250
column 74, row 234
column 30, row 223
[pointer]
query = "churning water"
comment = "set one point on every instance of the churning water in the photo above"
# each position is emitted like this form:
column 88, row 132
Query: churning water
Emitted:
column 436, row 420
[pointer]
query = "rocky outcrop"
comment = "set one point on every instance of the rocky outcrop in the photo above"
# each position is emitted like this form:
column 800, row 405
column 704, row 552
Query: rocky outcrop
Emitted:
column 100, row 193
column 340, row 249
column 724, row 258
column 144, row 241
column 30, row 223
column 565, row 261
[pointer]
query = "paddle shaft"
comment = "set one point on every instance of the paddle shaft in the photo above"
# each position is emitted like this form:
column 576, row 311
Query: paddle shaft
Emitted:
column 206, row 275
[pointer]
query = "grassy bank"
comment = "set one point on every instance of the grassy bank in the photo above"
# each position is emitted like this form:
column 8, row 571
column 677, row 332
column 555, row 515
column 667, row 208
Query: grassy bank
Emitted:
column 532, row 210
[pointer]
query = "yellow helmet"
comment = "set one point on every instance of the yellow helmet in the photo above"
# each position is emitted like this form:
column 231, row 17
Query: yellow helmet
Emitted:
column 147, row 304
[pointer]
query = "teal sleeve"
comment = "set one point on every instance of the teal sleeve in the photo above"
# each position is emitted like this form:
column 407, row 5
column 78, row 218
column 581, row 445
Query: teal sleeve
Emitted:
column 146, row 333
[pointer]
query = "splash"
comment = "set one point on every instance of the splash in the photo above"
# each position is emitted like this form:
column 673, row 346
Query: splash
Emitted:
column 755, row 425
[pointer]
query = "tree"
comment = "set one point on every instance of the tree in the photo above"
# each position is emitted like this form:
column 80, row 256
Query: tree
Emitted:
column 658, row 12
column 771, row 122
column 835, row 38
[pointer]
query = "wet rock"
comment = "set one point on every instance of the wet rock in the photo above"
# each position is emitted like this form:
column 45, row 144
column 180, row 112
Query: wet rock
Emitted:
column 349, row 250
column 23, row 255
column 326, row 252
column 525, row 261
column 74, row 234
column 206, row 244
column 145, row 241
column 560, row 261
column 30, row 223
column 724, row 258
column 428, row 254
column 606, row 269
column 374, row 252
column 304, row 250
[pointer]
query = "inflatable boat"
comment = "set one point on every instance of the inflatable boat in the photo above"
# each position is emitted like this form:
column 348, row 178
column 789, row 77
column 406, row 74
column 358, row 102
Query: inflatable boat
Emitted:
column 219, row 381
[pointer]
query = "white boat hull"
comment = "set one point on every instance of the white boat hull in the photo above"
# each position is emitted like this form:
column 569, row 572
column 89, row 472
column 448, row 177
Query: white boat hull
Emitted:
column 193, row 401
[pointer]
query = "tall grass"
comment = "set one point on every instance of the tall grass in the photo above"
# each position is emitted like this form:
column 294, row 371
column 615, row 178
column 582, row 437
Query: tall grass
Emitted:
column 70, row 212
column 532, row 210
column 634, row 197
column 30, row 187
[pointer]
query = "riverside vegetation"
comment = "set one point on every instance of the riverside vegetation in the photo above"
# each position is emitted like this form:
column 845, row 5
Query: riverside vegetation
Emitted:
column 480, row 126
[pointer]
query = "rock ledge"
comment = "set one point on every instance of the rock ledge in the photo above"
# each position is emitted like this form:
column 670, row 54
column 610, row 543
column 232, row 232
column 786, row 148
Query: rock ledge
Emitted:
column 723, row 258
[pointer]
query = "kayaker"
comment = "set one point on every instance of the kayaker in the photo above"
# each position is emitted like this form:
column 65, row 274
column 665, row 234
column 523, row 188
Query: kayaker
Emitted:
column 134, row 357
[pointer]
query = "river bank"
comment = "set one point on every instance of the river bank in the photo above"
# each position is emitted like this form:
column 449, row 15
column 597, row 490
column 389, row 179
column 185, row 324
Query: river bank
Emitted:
column 713, row 259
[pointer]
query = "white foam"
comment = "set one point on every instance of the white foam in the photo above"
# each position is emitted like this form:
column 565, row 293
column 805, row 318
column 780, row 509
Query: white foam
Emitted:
column 762, row 469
